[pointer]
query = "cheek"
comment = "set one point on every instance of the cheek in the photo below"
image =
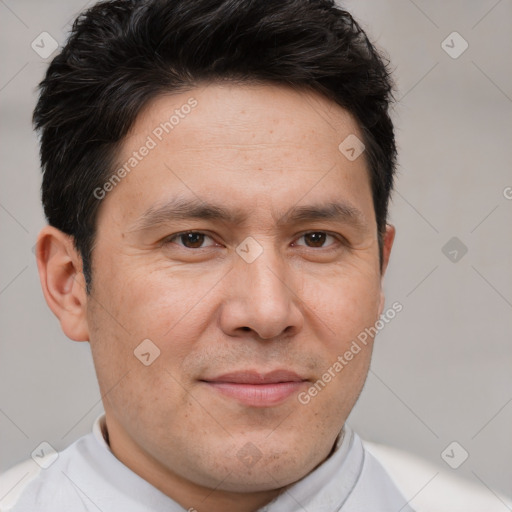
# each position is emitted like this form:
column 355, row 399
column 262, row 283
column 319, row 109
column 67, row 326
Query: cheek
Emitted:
column 344, row 306
column 155, row 302
column 344, row 302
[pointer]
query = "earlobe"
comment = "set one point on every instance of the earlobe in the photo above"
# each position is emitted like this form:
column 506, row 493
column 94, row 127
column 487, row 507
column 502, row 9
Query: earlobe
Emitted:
column 387, row 244
column 62, row 281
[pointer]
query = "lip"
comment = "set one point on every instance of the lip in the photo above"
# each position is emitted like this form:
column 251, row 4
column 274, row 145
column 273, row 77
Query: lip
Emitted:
column 258, row 389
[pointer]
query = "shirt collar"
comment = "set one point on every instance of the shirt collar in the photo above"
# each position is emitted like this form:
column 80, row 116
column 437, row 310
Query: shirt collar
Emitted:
column 328, row 486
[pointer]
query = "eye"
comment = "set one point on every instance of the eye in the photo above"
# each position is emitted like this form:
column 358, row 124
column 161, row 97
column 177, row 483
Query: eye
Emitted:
column 316, row 239
column 190, row 239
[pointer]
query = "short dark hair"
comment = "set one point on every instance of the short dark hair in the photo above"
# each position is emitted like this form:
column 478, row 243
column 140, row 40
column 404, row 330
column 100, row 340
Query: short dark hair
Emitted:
column 122, row 53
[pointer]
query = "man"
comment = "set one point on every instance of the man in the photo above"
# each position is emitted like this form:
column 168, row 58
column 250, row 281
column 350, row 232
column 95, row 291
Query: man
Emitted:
column 216, row 182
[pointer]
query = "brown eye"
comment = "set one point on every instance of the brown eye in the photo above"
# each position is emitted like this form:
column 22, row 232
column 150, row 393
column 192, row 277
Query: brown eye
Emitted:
column 316, row 239
column 190, row 239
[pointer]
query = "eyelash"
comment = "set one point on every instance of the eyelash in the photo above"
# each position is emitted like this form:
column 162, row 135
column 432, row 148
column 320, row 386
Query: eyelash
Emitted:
column 341, row 240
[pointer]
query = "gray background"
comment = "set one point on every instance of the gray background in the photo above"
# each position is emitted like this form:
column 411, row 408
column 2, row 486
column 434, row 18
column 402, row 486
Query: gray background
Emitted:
column 442, row 367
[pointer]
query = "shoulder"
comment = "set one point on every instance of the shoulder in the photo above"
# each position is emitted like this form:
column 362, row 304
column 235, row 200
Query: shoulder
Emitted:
column 42, row 480
column 15, row 480
column 431, row 488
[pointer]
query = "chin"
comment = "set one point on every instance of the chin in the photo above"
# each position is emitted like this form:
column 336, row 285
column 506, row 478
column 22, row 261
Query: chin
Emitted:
column 249, row 471
column 262, row 479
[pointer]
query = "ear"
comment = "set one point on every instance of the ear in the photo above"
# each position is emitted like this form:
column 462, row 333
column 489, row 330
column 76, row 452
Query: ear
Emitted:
column 387, row 244
column 62, row 281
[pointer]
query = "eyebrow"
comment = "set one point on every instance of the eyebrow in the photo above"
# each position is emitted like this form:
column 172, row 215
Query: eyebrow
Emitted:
column 333, row 211
column 180, row 208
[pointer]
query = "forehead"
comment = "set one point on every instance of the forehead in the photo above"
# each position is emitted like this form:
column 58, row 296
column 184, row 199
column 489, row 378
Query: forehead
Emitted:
column 226, row 114
column 251, row 146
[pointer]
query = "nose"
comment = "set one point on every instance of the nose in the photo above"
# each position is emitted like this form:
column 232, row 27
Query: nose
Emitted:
column 261, row 298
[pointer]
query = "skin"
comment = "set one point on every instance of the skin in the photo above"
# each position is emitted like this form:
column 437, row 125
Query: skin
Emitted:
column 260, row 150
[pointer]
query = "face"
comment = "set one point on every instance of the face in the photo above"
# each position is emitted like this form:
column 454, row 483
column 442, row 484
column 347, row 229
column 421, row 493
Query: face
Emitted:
column 243, row 245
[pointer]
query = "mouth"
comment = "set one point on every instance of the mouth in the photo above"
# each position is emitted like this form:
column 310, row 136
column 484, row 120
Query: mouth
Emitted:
column 257, row 389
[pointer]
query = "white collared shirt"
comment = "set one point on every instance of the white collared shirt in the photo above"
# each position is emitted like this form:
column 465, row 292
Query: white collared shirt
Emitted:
column 87, row 477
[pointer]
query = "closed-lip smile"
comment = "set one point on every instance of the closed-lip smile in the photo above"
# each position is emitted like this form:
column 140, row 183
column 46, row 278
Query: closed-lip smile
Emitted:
column 257, row 389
